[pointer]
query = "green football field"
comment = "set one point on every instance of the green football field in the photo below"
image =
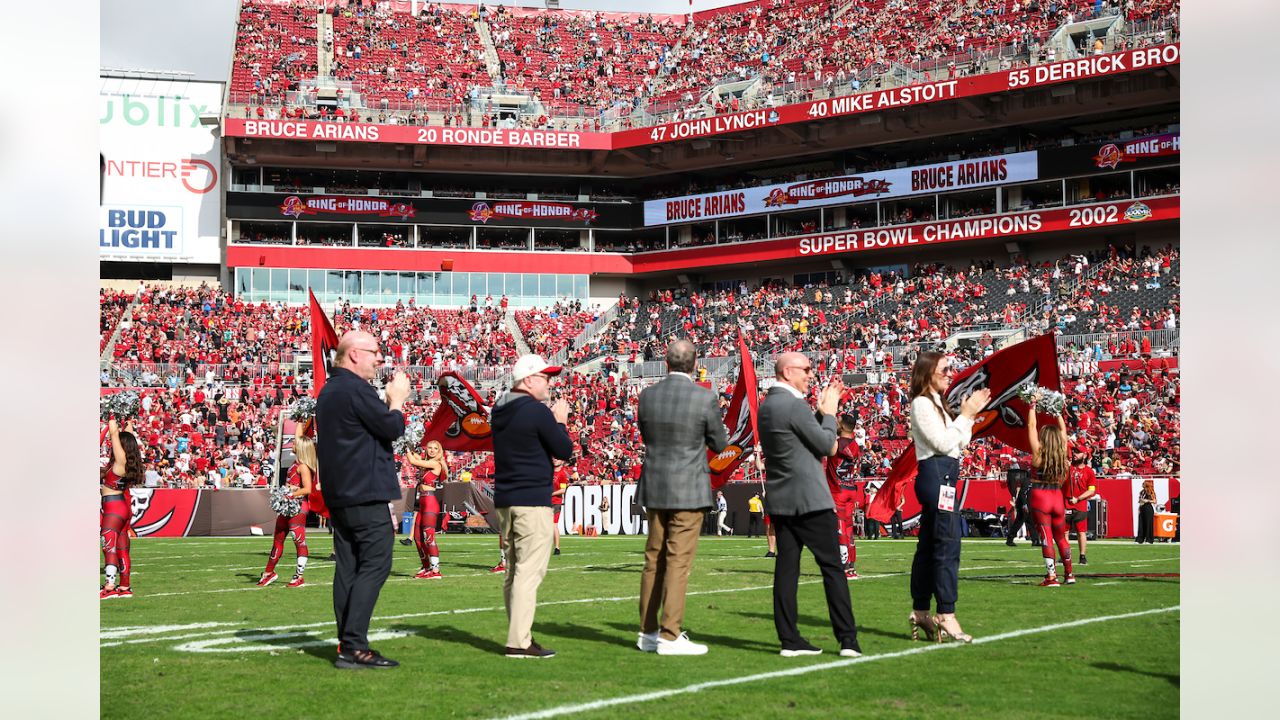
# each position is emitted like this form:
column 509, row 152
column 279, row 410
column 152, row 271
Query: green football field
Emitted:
column 198, row 639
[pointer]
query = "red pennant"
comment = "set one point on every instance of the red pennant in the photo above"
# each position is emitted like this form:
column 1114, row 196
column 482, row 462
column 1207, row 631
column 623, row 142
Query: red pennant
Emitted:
column 323, row 342
column 740, row 419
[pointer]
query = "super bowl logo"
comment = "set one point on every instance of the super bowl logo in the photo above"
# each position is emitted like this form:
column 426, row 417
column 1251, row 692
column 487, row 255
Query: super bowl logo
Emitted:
column 1137, row 212
column 773, row 116
column 1109, row 156
column 481, row 212
column 725, row 458
column 293, row 207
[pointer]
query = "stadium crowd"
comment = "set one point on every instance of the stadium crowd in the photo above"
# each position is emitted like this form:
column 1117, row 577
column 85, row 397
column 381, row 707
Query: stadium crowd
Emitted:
column 216, row 371
column 592, row 70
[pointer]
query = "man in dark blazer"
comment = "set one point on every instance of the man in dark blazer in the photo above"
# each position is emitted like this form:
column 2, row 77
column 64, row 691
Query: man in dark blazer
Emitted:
column 354, row 430
column 678, row 422
column 800, row 504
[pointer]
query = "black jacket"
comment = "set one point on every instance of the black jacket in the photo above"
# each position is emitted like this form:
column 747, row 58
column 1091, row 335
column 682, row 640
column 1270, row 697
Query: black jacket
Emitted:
column 525, row 438
column 354, row 430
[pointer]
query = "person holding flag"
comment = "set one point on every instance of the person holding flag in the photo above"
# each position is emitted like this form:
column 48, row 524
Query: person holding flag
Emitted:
column 840, row 469
column 1049, row 452
column 939, row 439
column 679, row 422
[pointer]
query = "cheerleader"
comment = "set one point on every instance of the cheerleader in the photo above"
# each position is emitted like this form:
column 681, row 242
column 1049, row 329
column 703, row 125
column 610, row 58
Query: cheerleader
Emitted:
column 1049, row 454
column 435, row 472
column 302, row 477
column 124, row 472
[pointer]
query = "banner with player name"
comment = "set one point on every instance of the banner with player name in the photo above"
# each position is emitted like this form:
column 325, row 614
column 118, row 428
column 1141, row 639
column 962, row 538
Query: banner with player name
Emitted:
column 896, row 183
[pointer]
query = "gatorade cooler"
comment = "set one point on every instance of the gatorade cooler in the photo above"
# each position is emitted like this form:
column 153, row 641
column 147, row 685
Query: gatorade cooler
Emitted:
column 1166, row 525
column 406, row 522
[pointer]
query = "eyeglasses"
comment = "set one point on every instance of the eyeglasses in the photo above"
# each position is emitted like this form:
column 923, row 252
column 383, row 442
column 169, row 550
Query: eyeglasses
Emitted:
column 948, row 370
column 379, row 359
column 808, row 369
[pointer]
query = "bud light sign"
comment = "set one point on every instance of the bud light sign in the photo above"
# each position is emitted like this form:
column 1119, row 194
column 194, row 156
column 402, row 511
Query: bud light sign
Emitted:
column 136, row 231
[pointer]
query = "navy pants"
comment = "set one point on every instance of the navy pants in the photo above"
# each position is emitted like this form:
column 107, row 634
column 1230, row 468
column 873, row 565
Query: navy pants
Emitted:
column 936, row 566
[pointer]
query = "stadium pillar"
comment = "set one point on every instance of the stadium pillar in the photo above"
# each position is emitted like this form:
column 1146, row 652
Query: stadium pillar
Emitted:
column 717, row 232
column 293, row 233
column 473, row 237
column 355, row 234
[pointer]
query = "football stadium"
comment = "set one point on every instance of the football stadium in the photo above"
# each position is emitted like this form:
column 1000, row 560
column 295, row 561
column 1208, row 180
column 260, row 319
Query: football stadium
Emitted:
column 794, row 358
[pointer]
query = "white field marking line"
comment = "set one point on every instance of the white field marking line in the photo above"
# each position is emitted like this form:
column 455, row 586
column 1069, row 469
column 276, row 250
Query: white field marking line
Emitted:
column 1104, row 584
column 123, row 632
column 211, row 646
column 329, row 584
column 463, row 611
column 804, row 670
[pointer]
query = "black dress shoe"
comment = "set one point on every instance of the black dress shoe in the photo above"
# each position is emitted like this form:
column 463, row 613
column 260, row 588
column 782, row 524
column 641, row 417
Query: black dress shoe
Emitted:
column 358, row 659
column 533, row 651
column 804, row 647
column 1010, row 542
column 406, row 541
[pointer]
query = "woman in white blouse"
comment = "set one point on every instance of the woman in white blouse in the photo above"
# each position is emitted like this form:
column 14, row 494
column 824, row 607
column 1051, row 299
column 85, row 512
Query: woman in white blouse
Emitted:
column 939, row 439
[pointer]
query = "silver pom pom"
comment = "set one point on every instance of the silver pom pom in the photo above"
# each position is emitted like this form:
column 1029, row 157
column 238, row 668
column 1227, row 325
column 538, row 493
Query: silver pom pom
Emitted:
column 1051, row 402
column 303, row 409
column 123, row 405
column 284, row 503
column 410, row 440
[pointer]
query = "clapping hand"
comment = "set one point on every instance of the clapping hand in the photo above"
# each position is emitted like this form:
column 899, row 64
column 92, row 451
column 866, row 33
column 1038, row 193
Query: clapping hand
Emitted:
column 974, row 404
column 829, row 399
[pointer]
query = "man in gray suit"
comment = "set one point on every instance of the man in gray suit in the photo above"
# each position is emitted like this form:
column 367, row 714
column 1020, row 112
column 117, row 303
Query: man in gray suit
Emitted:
column 800, row 504
column 678, row 422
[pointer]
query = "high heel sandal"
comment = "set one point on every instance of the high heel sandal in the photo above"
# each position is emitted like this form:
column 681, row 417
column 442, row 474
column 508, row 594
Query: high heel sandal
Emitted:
column 945, row 634
column 929, row 626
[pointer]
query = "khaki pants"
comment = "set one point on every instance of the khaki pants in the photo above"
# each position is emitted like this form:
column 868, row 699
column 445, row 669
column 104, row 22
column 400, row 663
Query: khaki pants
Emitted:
column 668, row 556
column 528, row 533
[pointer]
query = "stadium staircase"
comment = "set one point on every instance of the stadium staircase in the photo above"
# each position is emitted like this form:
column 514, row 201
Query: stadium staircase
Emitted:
column 324, row 51
column 107, row 351
column 509, row 320
column 491, row 63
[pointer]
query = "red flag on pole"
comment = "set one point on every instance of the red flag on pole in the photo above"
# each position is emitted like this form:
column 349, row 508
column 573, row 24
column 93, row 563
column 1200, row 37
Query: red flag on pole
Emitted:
column 1031, row 362
column 324, row 341
column 461, row 423
column 740, row 419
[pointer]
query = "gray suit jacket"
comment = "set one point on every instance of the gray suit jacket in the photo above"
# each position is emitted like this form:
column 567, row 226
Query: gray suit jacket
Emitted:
column 794, row 445
column 678, row 422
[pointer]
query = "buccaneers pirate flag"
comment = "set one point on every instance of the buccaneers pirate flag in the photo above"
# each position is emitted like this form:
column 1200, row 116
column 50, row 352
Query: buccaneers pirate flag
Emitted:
column 1032, row 362
column 740, row 419
column 461, row 423
column 324, row 341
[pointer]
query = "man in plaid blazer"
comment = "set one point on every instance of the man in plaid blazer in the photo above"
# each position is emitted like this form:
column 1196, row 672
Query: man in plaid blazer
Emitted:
column 679, row 421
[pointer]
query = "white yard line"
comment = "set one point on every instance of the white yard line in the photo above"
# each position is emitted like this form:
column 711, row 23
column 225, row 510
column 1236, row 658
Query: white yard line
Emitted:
column 804, row 670
column 459, row 611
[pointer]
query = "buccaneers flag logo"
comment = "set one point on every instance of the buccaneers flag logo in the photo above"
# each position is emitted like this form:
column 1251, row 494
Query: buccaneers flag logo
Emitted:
column 461, row 423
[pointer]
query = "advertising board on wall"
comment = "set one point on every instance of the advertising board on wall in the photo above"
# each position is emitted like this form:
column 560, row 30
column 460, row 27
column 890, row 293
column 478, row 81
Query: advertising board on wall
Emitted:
column 161, row 198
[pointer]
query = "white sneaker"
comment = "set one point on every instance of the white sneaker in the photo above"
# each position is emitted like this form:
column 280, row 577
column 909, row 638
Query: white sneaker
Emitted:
column 648, row 642
column 680, row 646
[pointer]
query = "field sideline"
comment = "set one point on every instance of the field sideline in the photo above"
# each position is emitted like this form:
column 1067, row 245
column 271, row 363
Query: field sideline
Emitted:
column 198, row 639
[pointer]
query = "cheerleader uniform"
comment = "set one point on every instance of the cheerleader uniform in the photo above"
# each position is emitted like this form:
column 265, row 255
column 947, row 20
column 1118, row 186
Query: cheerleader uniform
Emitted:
column 1051, row 522
column 114, row 527
column 296, row 528
column 424, row 527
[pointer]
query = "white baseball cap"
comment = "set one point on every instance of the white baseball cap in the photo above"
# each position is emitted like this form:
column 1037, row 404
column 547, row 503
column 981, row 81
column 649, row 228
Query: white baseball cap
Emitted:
column 532, row 365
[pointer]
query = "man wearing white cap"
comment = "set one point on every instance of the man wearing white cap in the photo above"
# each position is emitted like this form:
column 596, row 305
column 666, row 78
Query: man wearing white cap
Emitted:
column 526, row 436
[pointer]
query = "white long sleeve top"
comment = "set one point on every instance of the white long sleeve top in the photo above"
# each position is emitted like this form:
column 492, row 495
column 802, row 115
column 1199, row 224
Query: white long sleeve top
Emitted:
column 933, row 432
